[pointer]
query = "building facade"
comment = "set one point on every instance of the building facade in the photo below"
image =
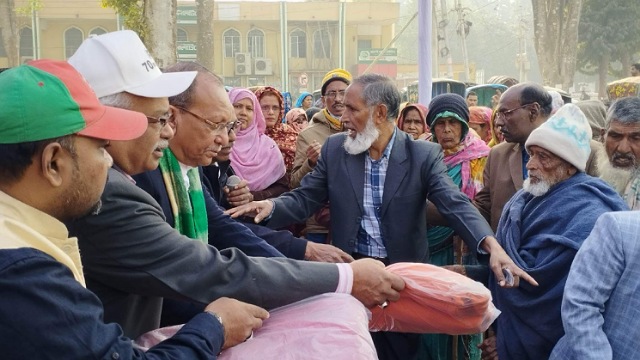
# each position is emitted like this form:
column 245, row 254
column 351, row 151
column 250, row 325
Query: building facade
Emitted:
column 250, row 48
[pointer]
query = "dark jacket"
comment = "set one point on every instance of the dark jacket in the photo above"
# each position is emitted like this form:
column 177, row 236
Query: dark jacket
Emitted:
column 57, row 318
column 416, row 172
column 132, row 258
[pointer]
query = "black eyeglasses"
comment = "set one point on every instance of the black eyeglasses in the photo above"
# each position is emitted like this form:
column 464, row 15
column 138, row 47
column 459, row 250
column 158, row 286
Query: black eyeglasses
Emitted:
column 232, row 126
column 504, row 113
column 162, row 120
column 215, row 127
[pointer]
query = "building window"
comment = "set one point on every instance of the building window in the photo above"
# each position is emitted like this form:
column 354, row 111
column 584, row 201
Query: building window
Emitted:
column 26, row 44
column 231, row 40
column 182, row 35
column 97, row 31
column 255, row 39
column 298, row 44
column 321, row 44
column 72, row 39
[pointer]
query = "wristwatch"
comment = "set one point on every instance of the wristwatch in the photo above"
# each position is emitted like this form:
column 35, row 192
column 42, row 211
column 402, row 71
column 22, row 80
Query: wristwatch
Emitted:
column 221, row 324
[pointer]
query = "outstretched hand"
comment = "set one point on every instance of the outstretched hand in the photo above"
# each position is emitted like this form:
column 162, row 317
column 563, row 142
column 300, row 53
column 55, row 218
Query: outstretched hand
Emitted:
column 503, row 267
column 239, row 319
column 373, row 284
column 259, row 210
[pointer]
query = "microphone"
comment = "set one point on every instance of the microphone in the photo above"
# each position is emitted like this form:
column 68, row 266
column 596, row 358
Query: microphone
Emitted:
column 233, row 181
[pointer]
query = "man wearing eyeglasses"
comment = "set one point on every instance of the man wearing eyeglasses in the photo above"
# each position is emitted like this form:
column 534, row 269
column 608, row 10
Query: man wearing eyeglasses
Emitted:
column 521, row 109
column 324, row 124
column 132, row 258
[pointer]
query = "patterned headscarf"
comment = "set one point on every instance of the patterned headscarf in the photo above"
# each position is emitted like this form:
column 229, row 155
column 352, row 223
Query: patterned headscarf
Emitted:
column 254, row 155
column 291, row 117
column 270, row 90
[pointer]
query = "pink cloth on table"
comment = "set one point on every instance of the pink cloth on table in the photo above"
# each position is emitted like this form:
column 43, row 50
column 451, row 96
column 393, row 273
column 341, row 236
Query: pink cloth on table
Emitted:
column 329, row 326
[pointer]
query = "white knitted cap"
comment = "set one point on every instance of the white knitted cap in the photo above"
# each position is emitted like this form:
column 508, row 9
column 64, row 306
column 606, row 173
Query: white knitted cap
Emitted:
column 566, row 134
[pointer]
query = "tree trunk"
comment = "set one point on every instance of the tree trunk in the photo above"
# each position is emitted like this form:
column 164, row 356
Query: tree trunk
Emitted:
column 205, row 33
column 9, row 27
column 603, row 69
column 160, row 17
column 556, row 39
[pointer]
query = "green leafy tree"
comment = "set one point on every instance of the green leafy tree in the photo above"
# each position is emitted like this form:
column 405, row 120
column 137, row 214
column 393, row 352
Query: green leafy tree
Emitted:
column 132, row 12
column 609, row 32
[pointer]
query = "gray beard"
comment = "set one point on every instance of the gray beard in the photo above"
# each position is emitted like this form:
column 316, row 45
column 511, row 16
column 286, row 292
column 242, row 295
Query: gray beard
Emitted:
column 363, row 141
column 538, row 189
column 617, row 177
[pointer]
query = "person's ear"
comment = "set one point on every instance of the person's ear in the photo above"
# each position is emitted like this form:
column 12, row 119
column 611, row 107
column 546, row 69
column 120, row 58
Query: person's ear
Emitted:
column 175, row 112
column 381, row 112
column 55, row 164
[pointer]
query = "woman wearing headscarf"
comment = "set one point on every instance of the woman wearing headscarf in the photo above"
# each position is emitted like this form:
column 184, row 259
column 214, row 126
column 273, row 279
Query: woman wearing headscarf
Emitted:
column 480, row 121
column 254, row 156
column 297, row 119
column 465, row 156
column 305, row 101
column 596, row 113
column 272, row 105
column 412, row 120
column 496, row 135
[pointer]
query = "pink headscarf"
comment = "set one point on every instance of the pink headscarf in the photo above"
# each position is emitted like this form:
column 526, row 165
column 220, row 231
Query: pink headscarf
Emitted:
column 255, row 157
column 292, row 115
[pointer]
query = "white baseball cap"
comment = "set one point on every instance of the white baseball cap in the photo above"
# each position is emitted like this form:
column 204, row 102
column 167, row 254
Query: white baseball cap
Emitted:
column 118, row 61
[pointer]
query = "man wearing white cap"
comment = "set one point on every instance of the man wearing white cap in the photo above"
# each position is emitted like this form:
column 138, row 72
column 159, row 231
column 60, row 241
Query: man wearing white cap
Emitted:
column 542, row 228
column 133, row 258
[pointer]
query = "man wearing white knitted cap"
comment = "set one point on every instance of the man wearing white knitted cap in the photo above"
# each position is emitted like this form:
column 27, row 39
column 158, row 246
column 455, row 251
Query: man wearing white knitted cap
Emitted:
column 542, row 228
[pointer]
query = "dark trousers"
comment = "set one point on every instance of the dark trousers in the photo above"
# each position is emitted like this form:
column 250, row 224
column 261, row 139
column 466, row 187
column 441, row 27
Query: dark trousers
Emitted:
column 396, row 346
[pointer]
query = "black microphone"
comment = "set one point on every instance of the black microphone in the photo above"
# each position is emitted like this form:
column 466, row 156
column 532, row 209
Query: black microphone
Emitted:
column 233, row 181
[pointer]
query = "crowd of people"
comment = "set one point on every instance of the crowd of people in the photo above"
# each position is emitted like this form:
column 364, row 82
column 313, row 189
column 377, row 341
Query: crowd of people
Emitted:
column 134, row 198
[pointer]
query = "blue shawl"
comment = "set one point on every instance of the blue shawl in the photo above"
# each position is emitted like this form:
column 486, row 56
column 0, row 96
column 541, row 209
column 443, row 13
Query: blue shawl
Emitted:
column 542, row 235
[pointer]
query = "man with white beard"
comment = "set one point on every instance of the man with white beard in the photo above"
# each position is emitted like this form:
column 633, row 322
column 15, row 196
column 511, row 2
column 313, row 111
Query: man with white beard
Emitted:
column 542, row 228
column 620, row 166
column 377, row 180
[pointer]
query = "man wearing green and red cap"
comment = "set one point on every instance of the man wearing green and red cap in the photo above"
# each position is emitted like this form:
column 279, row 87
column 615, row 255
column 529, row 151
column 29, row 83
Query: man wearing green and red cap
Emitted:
column 53, row 138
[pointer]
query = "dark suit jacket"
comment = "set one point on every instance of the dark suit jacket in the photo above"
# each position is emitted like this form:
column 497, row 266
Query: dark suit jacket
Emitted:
column 503, row 177
column 416, row 173
column 225, row 232
column 132, row 258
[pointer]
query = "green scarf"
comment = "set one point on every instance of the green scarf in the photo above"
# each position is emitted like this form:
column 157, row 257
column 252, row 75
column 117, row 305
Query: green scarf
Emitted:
column 188, row 208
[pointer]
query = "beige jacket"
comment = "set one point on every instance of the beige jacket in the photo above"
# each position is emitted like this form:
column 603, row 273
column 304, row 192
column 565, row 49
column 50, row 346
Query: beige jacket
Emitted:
column 319, row 130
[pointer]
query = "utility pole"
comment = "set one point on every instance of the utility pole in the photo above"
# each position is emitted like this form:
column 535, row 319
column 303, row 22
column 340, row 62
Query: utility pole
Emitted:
column 443, row 51
column 463, row 29
column 522, row 62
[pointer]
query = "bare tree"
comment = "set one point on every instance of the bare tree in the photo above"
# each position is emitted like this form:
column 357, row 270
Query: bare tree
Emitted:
column 160, row 17
column 155, row 23
column 9, row 28
column 556, row 39
column 205, row 33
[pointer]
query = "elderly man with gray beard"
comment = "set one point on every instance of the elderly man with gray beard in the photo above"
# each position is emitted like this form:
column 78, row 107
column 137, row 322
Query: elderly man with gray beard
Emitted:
column 542, row 228
column 377, row 180
column 620, row 166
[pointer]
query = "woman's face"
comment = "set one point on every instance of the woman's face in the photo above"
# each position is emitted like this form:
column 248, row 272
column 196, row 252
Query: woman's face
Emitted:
column 270, row 109
column 448, row 131
column 244, row 112
column 497, row 133
column 306, row 103
column 413, row 123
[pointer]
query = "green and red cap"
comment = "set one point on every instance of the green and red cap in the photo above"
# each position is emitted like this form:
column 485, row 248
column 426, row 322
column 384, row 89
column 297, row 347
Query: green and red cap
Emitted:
column 47, row 99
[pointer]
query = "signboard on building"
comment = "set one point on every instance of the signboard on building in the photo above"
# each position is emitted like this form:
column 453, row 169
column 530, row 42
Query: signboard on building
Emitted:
column 187, row 15
column 187, row 50
column 366, row 56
